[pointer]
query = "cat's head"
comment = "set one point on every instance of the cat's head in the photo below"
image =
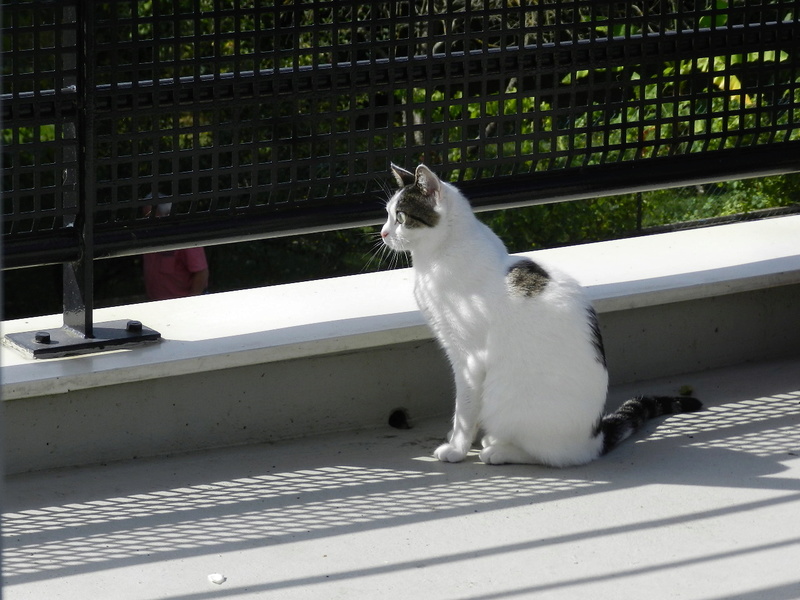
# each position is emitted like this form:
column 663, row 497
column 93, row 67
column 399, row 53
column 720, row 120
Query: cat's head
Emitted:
column 415, row 210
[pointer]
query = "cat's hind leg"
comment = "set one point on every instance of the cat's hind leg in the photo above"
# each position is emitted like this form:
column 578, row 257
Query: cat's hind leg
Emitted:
column 502, row 453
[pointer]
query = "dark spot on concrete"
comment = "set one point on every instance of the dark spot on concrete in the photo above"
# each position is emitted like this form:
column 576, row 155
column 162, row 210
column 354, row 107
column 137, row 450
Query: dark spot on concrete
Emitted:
column 399, row 419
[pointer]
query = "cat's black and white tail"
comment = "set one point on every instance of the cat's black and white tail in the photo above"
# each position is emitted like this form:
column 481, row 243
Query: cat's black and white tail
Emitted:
column 632, row 415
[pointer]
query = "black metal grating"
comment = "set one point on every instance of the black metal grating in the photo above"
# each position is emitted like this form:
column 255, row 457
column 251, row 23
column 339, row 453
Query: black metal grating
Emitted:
column 40, row 122
column 255, row 118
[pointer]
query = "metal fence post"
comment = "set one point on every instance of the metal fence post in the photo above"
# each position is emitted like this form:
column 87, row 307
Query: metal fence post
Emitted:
column 79, row 335
column 78, row 276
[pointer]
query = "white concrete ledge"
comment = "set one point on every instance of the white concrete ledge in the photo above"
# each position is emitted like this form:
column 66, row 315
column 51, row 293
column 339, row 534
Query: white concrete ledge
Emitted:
column 222, row 331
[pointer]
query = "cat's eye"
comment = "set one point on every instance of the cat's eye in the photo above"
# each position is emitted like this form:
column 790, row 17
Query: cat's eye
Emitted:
column 400, row 217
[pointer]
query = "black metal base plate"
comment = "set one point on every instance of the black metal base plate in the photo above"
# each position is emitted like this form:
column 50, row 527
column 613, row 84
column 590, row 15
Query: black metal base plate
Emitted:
column 66, row 341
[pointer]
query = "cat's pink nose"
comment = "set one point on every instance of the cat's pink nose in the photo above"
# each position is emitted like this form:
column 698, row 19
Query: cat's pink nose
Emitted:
column 384, row 234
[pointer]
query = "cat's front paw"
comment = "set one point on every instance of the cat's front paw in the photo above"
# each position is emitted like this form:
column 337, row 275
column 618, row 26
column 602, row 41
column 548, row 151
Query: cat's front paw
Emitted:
column 449, row 453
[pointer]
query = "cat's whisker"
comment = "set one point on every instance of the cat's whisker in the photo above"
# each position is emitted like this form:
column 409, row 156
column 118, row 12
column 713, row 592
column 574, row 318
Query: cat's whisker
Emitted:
column 369, row 257
column 396, row 258
column 393, row 259
column 380, row 254
column 385, row 188
column 377, row 254
column 405, row 258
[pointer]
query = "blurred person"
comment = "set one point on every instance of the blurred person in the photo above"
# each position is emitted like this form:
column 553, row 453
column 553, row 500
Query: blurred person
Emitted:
column 174, row 273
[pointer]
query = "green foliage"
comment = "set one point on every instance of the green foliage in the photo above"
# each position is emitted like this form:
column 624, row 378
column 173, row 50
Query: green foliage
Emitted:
column 612, row 217
column 553, row 225
column 720, row 199
column 455, row 126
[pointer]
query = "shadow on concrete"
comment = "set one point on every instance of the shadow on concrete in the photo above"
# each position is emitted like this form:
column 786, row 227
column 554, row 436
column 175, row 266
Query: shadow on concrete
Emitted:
column 127, row 514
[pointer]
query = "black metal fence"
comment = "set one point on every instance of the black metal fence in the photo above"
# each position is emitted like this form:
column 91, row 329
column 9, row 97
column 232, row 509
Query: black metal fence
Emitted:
column 258, row 118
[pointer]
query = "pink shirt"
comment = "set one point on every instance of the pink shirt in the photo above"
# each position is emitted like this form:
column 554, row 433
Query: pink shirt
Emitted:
column 169, row 274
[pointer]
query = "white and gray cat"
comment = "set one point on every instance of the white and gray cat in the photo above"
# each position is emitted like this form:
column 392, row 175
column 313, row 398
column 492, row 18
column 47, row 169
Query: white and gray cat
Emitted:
column 522, row 337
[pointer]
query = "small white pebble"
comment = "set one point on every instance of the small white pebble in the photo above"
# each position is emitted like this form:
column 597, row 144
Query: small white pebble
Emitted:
column 217, row 578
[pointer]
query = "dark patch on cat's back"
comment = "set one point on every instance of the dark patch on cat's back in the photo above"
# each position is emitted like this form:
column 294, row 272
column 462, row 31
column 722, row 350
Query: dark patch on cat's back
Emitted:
column 597, row 338
column 418, row 207
column 526, row 278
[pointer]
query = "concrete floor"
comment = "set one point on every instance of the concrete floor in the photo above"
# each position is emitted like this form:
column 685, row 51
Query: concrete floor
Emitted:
column 702, row 506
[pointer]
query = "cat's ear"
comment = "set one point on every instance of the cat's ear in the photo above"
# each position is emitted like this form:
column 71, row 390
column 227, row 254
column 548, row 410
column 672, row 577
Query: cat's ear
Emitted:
column 427, row 181
column 402, row 176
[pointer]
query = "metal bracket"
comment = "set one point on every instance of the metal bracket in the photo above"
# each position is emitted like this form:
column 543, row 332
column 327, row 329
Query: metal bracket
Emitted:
column 66, row 341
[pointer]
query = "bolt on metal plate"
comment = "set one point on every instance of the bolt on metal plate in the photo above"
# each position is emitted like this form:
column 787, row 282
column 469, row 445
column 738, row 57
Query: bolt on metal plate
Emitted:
column 66, row 341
